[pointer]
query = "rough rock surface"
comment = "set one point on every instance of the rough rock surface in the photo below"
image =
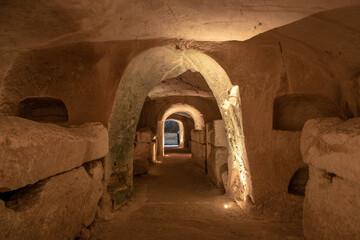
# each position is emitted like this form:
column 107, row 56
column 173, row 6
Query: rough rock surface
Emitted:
column 54, row 208
column 309, row 56
column 198, row 147
column 332, row 198
column 142, row 150
column 333, row 145
column 141, row 166
column 331, row 207
column 217, row 136
column 217, row 164
column 99, row 20
column 291, row 111
column 198, row 136
column 32, row 151
column 186, row 84
column 198, row 152
column 43, row 109
column 217, row 151
column 145, row 135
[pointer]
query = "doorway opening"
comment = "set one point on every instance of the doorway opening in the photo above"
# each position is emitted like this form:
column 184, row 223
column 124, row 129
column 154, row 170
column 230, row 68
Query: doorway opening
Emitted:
column 175, row 111
column 173, row 133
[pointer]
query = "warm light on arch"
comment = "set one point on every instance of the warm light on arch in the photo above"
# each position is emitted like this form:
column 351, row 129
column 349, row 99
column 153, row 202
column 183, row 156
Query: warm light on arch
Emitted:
column 147, row 70
column 186, row 108
column 195, row 114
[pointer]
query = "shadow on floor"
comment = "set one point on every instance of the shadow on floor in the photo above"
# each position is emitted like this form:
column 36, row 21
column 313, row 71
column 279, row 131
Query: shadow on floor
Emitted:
column 176, row 201
column 169, row 150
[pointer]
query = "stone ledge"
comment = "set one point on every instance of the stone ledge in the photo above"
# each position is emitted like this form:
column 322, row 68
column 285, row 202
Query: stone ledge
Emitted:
column 333, row 145
column 54, row 208
column 32, row 151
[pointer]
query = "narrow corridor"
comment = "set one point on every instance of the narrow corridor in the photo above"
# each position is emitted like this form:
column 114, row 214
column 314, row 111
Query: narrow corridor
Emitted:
column 176, row 201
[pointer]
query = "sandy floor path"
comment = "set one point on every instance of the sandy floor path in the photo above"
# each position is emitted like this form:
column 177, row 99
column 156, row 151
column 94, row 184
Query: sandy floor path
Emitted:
column 176, row 201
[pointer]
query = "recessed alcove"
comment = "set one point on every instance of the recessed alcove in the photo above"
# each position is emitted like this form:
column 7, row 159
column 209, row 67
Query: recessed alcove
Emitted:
column 291, row 111
column 298, row 181
column 43, row 109
column 172, row 133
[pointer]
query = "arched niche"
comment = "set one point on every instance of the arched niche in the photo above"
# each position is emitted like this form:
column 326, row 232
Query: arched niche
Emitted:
column 143, row 73
column 291, row 111
column 178, row 107
column 43, row 109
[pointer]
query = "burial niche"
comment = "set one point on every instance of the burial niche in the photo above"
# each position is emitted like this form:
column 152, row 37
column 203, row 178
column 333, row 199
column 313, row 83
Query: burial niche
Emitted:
column 293, row 110
column 43, row 109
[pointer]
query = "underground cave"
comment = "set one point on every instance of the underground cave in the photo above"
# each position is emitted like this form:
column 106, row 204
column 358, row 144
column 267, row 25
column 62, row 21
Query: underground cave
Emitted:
column 194, row 119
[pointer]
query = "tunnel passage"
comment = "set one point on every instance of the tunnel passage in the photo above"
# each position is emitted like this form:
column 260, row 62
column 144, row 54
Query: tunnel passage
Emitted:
column 178, row 108
column 291, row 111
column 158, row 64
column 186, row 124
column 43, row 109
column 172, row 132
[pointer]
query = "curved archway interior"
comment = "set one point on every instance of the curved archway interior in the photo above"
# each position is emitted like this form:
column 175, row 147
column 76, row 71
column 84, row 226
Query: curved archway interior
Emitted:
column 43, row 109
column 179, row 134
column 195, row 114
column 146, row 71
column 199, row 122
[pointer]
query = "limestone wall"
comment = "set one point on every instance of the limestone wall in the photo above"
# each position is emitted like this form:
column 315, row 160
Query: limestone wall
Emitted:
column 209, row 21
column 198, row 147
column 32, row 151
column 332, row 199
column 144, row 151
column 209, row 149
column 51, row 178
column 312, row 56
column 217, row 152
column 54, row 208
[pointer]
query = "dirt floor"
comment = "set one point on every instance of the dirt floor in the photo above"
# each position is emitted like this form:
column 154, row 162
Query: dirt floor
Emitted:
column 176, row 201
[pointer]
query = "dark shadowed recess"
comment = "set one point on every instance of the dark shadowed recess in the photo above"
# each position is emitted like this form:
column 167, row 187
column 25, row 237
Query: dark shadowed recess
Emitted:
column 43, row 109
column 298, row 181
column 291, row 111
